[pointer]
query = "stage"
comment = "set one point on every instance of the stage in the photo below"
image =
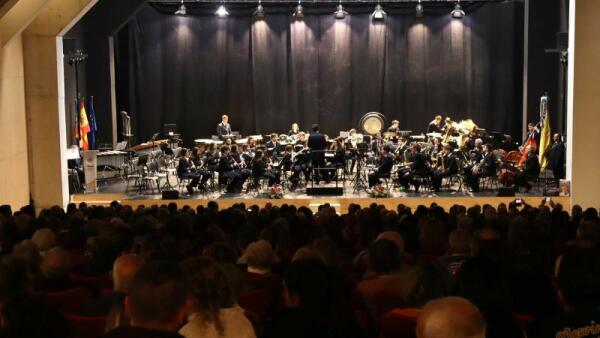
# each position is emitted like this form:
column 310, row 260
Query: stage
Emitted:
column 446, row 198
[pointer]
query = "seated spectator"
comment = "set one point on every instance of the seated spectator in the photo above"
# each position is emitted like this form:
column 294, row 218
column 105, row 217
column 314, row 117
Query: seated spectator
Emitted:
column 458, row 251
column 55, row 269
column 313, row 305
column 155, row 304
column 451, row 317
column 210, row 306
column 45, row 239
column 225, row 257
column 481, row 282
column 260, row 257
column 123, row 273
column 361, row 261
column 393, row 278
column 579, row 287
column 32, row 317
column 14, row 277
column 433, row 282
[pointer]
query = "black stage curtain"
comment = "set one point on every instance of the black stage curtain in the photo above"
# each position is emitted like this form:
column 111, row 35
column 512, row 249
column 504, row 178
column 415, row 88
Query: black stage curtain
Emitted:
column 269, row 73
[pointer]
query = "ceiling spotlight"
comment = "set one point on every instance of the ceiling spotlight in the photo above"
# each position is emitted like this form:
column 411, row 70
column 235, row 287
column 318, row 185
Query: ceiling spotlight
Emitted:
column 378, row 13
column 222, row 11
column 182, row 10
column 419, row 10
column 259, row 13
column 457, row 12
column 299, row 12
column 340, row 13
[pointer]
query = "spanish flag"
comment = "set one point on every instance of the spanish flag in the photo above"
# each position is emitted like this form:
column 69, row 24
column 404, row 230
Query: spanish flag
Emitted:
column 83, row 127
column 545, row 142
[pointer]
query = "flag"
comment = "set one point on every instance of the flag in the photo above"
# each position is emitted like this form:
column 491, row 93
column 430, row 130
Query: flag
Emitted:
column 545, row 142
column 84, row 127
column 93, row 125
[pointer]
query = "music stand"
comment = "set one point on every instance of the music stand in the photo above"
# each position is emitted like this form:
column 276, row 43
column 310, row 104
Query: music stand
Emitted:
column 126, row 127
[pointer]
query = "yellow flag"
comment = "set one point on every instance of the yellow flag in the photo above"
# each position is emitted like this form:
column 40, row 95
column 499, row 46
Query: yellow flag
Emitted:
column 545, row 142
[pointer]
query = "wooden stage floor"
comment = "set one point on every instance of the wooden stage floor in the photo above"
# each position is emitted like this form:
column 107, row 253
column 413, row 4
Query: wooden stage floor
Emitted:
column 341, row 203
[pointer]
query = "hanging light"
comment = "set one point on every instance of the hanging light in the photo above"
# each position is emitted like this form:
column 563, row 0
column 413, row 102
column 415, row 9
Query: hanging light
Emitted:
column 222, row 11
column 299, row 12
column 457, row 12
column 182, row 10
column 259, row 13
column 419, row 10
column 378, row 13
column 340, row 13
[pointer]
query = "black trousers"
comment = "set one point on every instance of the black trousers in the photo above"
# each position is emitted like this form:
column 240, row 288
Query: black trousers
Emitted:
column 375, row 177
column 437, row 177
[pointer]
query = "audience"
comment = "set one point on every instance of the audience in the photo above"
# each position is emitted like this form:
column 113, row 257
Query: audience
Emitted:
column 451, row 317
column 342, row 272
column 210, row 305
column 155, row 303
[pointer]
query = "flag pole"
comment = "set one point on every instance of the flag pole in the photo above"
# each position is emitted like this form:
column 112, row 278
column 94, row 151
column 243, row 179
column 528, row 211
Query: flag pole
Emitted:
column 74, row 59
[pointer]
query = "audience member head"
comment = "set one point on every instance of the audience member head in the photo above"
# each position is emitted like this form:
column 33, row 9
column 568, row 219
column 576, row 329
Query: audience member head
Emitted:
column 308, row 285
column 588, row 234
column 124, row 270
column 395, row 237
column 56, row 264
column 157, row 297
column 32, row 317
column 208, row 290
column 450, row 317
column 260, row 255
column 14, row 277
column 459, row 242
column 45, row 239
column 579, row 279
column 384, row 256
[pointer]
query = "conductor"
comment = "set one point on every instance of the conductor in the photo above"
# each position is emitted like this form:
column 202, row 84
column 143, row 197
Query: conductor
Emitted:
column 224, row 128
column 317, row 145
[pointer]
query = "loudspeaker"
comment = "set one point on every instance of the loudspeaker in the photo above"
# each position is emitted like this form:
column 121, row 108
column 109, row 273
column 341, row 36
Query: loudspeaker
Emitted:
column 325, row 191
column 506, row 192
column 170, row 194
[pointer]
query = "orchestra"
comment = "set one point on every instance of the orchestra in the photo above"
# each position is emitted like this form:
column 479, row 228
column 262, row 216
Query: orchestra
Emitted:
column 409, row 161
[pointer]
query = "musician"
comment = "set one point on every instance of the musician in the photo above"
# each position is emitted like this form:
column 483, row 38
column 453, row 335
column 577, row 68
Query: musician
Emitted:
column 228, row 171
column 531, row 170
column 556, row 158
column 186, row 169
column 247, row 153
column 301, row 138
column 317, row 144
column 485, row 168
column 286, row 162
column 295, row 129
column 435, row 126
column 386, row 162
column 224, row 128
column 533, row 135
column 377, row 143
column 273, row 142
column 395, row 127
column 260, row 168
column 301, row 165
column 449, row 167
column 418, row 168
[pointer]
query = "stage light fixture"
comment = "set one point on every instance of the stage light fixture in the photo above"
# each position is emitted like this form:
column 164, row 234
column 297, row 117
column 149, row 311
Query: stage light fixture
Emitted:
column 222, row 11
column 419, row 10
column 182, row 10
column 378, row 13
column 299, row 12
column 259, row 13
column 340, row 13
column 457, row 12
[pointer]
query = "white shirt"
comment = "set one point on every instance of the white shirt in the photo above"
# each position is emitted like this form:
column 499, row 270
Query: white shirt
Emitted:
column 234, row 321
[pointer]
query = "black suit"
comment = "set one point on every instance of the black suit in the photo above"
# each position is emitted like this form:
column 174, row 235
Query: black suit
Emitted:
column 418, row 170
column 223, row 129
column 434, row 128
column 450, row 168
column 488, row 169
column 531, row 170
column 261, row 169
column 235, row 176
column 384, row 170
column 556, row 160
column 317, row 145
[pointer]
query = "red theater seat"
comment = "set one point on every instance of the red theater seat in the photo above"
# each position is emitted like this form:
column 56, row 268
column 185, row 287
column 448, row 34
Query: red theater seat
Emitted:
column 86, row 327
column 399, row 323
column 69, row 300
column 387, row 301
column 96, row 282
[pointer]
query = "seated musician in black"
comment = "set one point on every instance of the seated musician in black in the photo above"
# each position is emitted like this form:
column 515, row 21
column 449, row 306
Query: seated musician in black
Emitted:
column 286, row 161
column 228, row 170
column 395, row 127
column 418, row 168
column 386, row 162
column 485, row 168
column 531, row 170
column 377, row 143
column 186, row 169
column 449, row 167
column 260, row 168
column 301, row 165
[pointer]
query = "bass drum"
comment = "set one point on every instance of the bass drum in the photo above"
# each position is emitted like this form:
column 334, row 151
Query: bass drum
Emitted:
column 372, row 123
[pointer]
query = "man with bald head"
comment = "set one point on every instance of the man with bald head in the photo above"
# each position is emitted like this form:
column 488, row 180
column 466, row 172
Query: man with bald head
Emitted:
column 124, row 270
column 450, row 317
